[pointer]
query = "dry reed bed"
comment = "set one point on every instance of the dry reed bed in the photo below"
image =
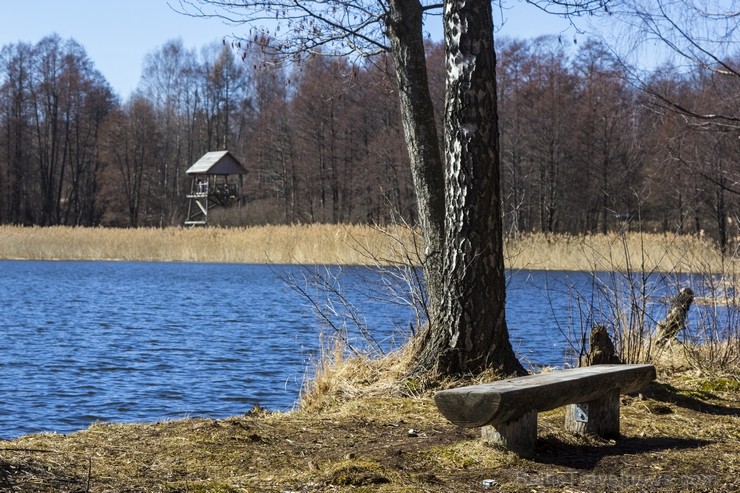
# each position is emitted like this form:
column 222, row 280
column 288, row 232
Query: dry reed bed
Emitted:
column 632, row 251
column 305, row 244
column 353, row 245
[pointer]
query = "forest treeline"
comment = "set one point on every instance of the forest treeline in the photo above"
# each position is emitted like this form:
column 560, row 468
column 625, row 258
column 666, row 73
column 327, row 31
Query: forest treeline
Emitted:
column 583, row 148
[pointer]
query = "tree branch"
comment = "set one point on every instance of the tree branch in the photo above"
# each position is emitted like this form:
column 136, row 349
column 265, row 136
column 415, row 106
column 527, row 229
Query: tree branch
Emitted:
column 336, row 27
column 677, row 107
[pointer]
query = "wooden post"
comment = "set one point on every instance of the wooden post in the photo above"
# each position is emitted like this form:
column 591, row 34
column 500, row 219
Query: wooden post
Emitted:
column 675, row 320
column 597, row 417
column 518, row 435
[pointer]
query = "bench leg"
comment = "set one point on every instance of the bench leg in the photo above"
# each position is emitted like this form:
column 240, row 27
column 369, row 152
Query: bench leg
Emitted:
column 598, row 417
column 519, row 435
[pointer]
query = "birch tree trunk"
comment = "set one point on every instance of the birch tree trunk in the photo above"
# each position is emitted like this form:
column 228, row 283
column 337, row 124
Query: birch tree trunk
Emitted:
column 473, row 335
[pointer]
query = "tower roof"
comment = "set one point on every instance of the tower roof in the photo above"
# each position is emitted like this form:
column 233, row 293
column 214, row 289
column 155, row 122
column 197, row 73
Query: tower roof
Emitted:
column 217, row 163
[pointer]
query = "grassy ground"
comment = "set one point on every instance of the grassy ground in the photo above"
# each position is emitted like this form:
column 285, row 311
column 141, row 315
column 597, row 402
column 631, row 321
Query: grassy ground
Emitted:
column 680, row 435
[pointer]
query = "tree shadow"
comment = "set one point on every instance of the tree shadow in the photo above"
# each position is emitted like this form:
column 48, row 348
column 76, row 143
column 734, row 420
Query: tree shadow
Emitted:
column 551, row 450
column 693, row 400
column 23, row 475
column 5, row 470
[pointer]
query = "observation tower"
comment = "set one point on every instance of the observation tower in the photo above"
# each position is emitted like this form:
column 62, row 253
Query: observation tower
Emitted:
column 217, row 179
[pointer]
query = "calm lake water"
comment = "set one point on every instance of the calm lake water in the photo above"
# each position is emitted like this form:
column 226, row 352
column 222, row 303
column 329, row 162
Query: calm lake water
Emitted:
column 129, row 342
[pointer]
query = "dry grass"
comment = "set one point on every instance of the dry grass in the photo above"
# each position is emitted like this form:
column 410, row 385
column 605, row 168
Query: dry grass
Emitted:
column 622, row 252
column 715, row 357
column 681, row 435
column 311, row 244
column 341, row 376
column 353, row 245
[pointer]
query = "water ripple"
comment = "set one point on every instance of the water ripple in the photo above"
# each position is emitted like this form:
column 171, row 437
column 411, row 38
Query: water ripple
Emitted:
column 104, row 341
column 108, row 341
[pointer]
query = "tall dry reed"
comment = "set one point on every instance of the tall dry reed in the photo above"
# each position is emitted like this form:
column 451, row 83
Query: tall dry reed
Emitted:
column 616, row 251
column 353, row 245
column 304, row 244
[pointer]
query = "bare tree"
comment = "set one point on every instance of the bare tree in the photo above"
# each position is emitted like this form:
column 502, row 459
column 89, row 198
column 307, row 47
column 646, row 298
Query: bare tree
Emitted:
column 15, row 76
column 363, row 28
column 163, row 83
column 514, row 71
column 701, row 40
column 128, row 144
column 473, row 335
column 605, row 130
column 459, row 213
column 68, row 101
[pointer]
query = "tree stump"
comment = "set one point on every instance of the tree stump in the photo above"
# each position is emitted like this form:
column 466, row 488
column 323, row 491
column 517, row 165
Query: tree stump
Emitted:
column 599, row 416
column 667, row 329
column 601, row 349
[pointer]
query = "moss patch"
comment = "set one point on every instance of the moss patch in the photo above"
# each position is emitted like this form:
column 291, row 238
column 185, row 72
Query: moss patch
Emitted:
column 200, row 487
column 721, row 385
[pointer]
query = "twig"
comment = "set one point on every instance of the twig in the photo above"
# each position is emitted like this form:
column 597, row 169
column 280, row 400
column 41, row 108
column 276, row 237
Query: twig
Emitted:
column 89, row 474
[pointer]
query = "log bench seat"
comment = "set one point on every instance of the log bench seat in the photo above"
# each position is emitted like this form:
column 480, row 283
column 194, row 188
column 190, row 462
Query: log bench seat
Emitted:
column 506, row 410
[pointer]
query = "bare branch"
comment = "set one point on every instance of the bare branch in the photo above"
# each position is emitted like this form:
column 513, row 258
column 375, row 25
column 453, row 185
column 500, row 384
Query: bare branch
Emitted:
column 572, row 8
column 718, row 182
column 675, row 106
column 332, row 27
column 702, row 32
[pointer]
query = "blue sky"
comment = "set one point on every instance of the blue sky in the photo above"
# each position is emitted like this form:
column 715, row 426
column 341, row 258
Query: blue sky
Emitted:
column 117, row 34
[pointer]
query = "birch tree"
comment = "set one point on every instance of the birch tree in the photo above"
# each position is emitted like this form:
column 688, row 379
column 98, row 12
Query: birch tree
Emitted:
column 458, row 203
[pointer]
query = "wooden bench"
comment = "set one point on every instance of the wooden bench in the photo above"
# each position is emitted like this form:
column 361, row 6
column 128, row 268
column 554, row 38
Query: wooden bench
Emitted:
column 507, row 410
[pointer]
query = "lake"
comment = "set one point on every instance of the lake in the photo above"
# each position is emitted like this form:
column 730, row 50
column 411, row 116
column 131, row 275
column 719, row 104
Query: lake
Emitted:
column 130, row 342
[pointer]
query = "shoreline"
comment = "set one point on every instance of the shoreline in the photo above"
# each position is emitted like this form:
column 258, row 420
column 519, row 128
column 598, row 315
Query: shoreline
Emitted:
column 356, row 245
column 679, row 432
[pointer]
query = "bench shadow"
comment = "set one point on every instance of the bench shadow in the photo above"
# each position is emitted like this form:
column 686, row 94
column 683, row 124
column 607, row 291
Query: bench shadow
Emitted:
column 672, row 395
column 551, row 450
